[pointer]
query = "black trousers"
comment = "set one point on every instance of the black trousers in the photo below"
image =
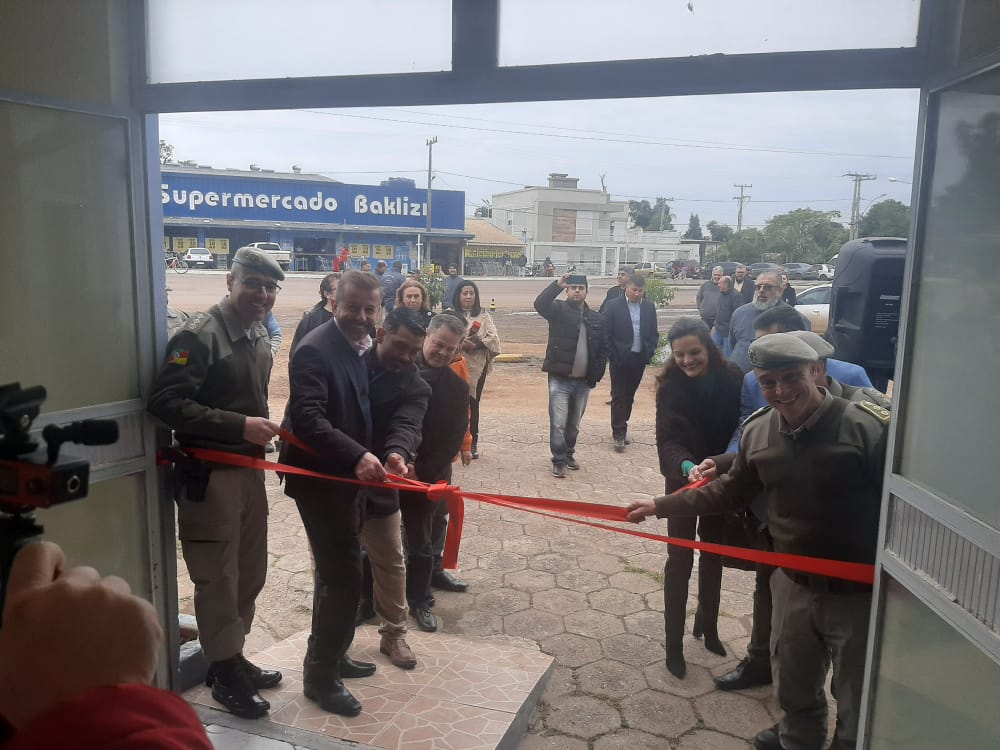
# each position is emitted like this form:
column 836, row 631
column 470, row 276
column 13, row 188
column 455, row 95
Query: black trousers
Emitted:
column 677, row 573
column 477, row 391
column 625, row 378
column 759, row 648
column 333, row 527
column 418, row 519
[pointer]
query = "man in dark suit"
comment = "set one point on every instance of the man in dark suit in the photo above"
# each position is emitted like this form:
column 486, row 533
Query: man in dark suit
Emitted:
column 329, row 409
column 630, row 323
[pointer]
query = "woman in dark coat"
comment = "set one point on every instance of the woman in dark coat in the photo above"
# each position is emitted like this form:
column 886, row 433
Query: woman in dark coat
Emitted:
column 319, row 313
column 697, row 410
column 787, row 291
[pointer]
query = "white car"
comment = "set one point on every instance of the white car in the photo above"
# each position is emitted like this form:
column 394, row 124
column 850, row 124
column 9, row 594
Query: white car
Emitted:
column 199, row 257
column 814, row 303
column 819, row 272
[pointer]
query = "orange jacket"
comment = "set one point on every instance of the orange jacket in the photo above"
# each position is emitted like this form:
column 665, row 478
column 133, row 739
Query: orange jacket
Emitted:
column 461, row 368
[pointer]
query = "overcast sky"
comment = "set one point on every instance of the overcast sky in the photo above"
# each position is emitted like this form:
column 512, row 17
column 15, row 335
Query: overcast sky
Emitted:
column 793, row 148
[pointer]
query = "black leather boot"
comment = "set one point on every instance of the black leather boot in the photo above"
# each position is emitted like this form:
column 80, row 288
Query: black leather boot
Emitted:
column 349, row 669
column 321, row 683
column 675, row 661
column 232, row 687
column 262, row 679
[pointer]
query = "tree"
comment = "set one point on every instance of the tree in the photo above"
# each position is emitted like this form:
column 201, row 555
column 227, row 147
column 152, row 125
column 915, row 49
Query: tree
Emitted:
column 651, row 218
column 719, row 232
column 484, row 211
column 694, row 228
column 166, row 152
column 888, row 218
column 805, row 235
column 746, row 247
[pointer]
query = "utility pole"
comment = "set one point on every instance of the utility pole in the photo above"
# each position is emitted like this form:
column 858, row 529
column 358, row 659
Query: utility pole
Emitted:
column 856, row 204
column 742, row 199
column 430, row 176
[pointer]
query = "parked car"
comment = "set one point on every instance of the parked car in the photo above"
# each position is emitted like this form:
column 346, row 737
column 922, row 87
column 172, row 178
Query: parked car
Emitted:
column 796, row 270
column 199, row 257
column 728, row 268
column 651, row 270
column 819, row 272
column 814, row 303
column 687, row 268
column 756, row 268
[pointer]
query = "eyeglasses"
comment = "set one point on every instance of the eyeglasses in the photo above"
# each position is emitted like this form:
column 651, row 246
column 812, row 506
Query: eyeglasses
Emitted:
column 766, row 286
column 256, row 285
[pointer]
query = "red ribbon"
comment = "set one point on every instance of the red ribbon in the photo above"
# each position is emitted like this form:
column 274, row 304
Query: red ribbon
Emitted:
column 547, row 507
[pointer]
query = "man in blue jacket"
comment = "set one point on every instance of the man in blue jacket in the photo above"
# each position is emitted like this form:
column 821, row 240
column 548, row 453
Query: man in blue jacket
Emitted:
column 575, row 359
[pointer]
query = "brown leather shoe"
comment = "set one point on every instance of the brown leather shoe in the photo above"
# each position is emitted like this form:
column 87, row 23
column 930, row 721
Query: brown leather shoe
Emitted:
column 400, row 654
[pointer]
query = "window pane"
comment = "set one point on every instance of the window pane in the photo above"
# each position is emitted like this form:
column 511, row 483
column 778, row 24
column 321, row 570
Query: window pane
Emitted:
column 64, row 209
column 191, row 40
column 933, row 688
column 106, row 530
column 950, row 430
column 556, row 31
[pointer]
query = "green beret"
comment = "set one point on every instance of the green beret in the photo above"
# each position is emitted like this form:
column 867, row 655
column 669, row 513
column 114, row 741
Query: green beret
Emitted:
column 777, row 350
column 822, row 347
column 259, row 261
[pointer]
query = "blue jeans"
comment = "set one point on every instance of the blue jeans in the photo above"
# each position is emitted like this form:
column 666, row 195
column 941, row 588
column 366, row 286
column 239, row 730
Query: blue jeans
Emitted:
column 719, row 341
column 567, row 402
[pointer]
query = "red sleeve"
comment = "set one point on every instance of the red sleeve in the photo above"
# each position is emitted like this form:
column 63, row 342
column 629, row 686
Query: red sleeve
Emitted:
column 119, row 717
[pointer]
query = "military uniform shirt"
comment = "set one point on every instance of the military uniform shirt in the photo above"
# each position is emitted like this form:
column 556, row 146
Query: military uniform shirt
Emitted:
column 822, row 482
column 215, row 376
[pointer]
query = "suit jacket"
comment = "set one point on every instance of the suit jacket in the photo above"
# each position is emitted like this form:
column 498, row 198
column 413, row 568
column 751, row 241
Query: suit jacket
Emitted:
column 745, row 294
column 615, row 292
column 618, row 324
column 329, row 409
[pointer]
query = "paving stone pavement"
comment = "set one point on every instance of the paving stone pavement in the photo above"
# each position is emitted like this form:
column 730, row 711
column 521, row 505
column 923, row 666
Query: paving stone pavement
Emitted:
column 590, row 598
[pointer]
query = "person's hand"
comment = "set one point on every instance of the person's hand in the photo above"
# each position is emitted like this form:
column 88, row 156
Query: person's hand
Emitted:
column 466, row 458
column 396, row 464
column 705, row 470
column 639, row 509
column 66, row 631
column 563, row 280
column 468, row 345
column 259, row 431
column 369, row 469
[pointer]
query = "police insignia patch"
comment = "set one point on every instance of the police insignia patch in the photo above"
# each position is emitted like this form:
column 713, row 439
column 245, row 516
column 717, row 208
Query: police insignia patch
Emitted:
column 875, row 410
column 178, row 357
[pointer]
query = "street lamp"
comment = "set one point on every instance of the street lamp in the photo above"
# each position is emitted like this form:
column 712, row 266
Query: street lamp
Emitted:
column 869, row 205
column 902, row 182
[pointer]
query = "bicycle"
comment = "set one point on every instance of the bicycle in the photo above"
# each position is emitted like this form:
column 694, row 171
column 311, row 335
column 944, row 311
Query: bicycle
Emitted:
column 178, row 264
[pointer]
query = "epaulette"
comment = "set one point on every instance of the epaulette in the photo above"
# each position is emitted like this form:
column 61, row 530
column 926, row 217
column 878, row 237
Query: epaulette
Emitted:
column 880, row 413
column 196, row 322
column 760, row 412
column 876, row 396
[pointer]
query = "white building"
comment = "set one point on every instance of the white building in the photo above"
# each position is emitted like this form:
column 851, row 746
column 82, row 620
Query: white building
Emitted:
column 572, row 226
column 584, row 228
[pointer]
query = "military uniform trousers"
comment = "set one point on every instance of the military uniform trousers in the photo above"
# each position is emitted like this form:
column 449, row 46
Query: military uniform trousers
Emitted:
column 809, row 630
column 383, row 540
column 224, row 540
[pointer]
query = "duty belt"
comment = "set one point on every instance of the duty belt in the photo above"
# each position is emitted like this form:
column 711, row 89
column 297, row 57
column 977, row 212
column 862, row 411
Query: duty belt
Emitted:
column 826, row 585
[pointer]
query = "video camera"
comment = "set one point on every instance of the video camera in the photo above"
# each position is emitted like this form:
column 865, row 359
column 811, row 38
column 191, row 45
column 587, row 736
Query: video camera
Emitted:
column 32, row 477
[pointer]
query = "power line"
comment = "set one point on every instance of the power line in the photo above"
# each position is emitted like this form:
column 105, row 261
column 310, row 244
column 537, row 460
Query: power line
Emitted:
column 761, row 149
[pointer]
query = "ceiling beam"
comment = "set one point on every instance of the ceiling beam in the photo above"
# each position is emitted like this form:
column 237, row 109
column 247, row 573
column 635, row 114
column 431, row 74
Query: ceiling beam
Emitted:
column 476, row 80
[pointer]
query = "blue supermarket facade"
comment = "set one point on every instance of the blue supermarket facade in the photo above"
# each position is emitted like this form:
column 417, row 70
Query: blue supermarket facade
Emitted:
column 311, row 216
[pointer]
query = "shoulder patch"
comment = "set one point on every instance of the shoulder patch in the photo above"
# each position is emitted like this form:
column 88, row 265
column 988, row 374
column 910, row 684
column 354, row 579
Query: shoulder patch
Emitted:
column 178, row 357
column 875, row 410
column 877, row 397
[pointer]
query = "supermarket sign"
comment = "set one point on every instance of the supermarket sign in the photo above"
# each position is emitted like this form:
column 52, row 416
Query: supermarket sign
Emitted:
column 211, row 196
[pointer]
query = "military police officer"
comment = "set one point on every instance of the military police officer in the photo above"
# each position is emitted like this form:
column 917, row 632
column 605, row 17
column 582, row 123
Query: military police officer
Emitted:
column 212, row 391
column 818, row 459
